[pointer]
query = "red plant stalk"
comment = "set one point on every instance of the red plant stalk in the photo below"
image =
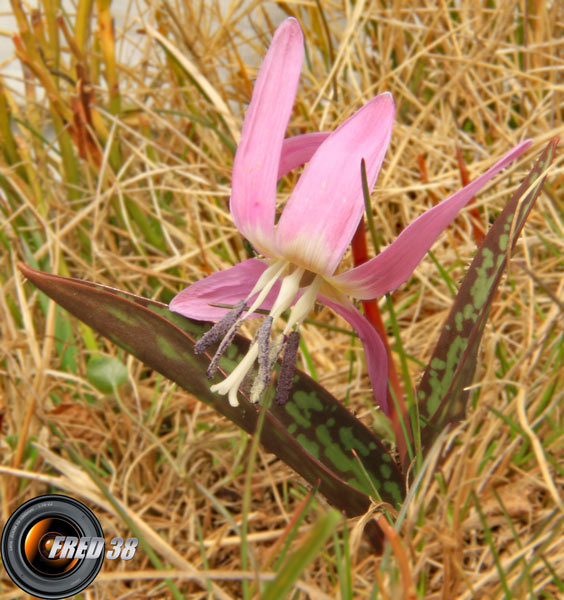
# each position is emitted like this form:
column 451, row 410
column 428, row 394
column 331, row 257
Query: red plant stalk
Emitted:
column 374, row 316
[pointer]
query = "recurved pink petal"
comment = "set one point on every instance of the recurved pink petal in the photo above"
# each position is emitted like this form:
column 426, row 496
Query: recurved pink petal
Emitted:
column 255, row 169
column 298, row 150
column 396, row 263
column 224, row 287
column 374, row 349
column 325, row 207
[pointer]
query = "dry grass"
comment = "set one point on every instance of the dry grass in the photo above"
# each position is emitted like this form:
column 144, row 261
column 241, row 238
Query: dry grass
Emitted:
column 488, row 522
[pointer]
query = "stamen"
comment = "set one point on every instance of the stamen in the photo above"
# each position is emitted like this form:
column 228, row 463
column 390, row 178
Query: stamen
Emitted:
column 275, row 349
column 288, row 290
column 304, row 305
column 265, row 283
column 225, row 342
column 263, row 337
column 263, row 376
column 247, row 383
column 267, row 353
column 270, row 273
column 257, row 389
column 214, row 334
column 285, row 379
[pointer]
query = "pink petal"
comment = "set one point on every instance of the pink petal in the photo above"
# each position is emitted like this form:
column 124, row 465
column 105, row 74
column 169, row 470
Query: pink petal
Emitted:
column 325, row 207
column 255, row 170
column 224, row 287
column 396, row 263
column 374, row 349
column 298, row 150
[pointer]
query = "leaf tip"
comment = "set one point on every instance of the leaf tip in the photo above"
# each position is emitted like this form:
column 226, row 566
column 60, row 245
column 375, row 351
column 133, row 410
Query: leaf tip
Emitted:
column 25, row 269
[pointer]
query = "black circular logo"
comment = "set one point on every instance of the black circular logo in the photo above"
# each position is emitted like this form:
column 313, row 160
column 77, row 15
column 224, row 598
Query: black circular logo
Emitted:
column 52, row 546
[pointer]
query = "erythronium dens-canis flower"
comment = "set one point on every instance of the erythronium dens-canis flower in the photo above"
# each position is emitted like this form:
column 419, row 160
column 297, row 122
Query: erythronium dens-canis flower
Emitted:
column 301, row 252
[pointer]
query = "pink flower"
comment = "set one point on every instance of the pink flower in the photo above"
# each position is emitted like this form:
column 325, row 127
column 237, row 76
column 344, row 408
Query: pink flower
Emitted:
column 302, row 251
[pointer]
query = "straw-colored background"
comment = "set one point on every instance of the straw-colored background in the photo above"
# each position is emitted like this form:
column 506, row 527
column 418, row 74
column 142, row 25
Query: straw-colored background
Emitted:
column 489, row 524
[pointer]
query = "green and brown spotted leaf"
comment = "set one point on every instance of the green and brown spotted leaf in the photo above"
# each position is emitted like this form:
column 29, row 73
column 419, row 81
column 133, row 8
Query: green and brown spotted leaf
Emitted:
column 441, row 394
column 313, row 433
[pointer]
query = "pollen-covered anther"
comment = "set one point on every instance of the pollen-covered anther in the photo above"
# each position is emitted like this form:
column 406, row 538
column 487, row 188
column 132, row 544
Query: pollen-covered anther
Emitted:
column 225, row 342
column 220, row 329
column 265, row 367
column 289, row 288
column 287, row 368
column 275, row 349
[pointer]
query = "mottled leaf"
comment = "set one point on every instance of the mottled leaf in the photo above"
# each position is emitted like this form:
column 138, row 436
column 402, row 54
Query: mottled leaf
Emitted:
column 313, row 433
column 441, row 394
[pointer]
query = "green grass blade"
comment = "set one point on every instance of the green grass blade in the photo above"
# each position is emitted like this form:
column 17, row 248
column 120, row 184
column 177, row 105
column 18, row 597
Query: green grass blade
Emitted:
column 300, row 559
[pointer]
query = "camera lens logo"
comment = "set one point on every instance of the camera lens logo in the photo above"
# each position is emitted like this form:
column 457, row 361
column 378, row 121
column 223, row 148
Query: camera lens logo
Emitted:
column 52, row 546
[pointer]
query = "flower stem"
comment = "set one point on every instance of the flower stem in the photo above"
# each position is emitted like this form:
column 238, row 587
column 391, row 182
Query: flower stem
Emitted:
column 374, row 316
column 400, row 422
